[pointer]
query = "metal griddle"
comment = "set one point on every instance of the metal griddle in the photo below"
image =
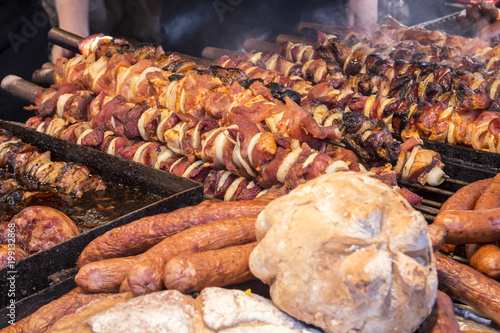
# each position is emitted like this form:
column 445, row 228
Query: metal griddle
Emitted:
column 48, row 274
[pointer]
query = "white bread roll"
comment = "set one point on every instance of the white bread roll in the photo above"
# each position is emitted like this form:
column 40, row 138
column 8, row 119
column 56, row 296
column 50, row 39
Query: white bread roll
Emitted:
column 214, row 310
column 346, row 253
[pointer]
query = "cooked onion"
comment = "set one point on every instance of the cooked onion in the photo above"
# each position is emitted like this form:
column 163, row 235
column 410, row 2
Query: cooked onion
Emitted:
column 287, row 163
column 410, row 161
column 231, row 190
column 435, row 176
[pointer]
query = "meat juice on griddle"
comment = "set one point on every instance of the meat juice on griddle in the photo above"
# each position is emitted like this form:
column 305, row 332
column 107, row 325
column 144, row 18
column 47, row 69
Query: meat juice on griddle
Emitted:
column 91, row 210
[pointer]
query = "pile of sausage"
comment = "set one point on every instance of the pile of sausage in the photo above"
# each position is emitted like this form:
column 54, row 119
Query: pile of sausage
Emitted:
column 472, row 217
column 188, row 249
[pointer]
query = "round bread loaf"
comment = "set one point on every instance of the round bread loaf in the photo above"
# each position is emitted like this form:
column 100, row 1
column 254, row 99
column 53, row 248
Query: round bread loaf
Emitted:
column 346, row 253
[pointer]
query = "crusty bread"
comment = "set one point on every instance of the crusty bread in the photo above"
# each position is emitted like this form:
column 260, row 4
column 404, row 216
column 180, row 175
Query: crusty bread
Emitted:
column 226, row 310
column 214, row 310
column 346, row 253
column 165, row 311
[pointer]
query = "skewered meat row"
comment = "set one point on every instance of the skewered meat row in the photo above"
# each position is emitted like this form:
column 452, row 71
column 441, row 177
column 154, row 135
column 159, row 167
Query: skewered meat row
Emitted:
column 220, row 184
column 462, row 121
column 218, row 100
column 37, row 171
column 379, row 135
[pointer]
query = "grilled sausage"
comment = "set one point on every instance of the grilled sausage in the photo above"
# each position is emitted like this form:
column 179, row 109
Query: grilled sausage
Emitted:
column 437, row 233
column 466, row 197
column 140, row 235
column 105, row 275
column 442, row 318
column 490, row 198
column 147, row 273
column 463, row 199
column 470, row 226
column 48, row 314
column 17, row 327
column 218, row 268
column 486, row 259
column 467, row 285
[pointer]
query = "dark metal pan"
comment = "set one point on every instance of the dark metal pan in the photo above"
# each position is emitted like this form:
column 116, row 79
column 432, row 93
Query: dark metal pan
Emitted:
column 44, row 268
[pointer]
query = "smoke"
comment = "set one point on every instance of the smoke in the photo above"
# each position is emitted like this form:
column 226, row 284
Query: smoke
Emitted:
column 185, row 22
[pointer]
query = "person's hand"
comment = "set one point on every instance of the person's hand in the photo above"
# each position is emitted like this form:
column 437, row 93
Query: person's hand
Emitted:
column 58, row 52
column 363, row 13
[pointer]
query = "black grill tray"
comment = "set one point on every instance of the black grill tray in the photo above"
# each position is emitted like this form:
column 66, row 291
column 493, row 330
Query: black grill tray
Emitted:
column 46, row 268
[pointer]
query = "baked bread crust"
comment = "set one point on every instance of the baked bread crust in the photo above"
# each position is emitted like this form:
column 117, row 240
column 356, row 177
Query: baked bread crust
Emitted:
column 346, row 253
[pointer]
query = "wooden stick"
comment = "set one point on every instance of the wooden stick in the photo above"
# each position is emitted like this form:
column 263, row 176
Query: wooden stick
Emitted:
column 214, row 53
column 259, row 45
column 20, row 88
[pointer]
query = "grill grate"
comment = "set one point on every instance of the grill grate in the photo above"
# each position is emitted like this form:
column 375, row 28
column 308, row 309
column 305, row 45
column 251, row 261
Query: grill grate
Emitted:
column 447, row 24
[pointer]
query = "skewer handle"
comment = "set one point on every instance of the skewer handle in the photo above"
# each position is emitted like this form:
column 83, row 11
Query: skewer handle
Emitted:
column 64, row 39
column 20, row 88
column 294, row 39
column 259, row 46
column 43, row 77
column 214, row 53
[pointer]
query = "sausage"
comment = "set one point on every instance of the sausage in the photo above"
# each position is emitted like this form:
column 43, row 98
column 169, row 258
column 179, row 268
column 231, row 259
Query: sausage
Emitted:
column 218, row 268
column 76, row 322
column 48, row 314
column 17, row 327
column 147, row 273
column 124, row 287
column 470, row 226
column 448, row 248
column 487, row 260
column 466, row 197
column 442, row 318
column 490, row 198
column 437, row 233
column 468, row 286
column 138, row 236
column 105, row 275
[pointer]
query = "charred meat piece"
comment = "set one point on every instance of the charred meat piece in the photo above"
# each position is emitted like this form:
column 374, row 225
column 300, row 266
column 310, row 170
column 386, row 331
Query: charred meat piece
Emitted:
column 369, row 139
column 280, row 92
column 227, row 75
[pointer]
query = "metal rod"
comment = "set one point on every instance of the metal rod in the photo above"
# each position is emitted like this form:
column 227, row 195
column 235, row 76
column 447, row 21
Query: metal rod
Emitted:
column 251, row 44
column 426, row 188
column 43, row 76
column 20, row 88
column 431, row 203
column 294, row 39
column 304, row 27
column 64, row 39
column 214, row 53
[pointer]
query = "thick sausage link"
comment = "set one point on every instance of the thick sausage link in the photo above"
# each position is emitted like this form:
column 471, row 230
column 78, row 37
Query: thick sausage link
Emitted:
column 217, row 268
column 467, row 285
column 442, row 318
column 466, row 197
column 105, row 275
column 487, row 260
column 437, row 233
column 48, row 314
column 138, row 236
column 470, row 226
column 147, row 273
column 490, row 198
